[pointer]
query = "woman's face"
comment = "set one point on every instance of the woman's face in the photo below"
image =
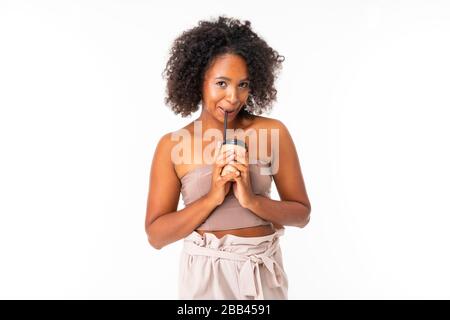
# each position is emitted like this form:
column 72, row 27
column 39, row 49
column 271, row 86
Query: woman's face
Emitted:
column 225, row 87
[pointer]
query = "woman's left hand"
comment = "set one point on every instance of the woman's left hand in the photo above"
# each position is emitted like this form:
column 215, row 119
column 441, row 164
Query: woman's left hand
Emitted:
column 242, row 187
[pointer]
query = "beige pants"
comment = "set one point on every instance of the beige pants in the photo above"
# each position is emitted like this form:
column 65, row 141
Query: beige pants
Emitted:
column 232, row 267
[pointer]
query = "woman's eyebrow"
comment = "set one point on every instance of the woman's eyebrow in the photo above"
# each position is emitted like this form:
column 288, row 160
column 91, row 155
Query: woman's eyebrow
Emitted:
column 225, row 78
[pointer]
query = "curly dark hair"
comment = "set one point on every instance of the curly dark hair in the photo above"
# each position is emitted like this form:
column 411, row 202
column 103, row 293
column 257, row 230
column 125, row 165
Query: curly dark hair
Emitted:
column 194, row 51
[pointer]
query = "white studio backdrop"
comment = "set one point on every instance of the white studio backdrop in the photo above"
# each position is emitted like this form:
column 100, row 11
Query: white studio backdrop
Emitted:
column 363, row 91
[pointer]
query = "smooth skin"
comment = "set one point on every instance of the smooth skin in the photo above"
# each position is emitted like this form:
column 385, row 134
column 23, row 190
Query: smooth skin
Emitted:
column 225, row 88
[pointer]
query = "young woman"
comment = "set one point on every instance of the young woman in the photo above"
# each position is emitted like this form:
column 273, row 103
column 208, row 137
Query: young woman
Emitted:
column 230, row 226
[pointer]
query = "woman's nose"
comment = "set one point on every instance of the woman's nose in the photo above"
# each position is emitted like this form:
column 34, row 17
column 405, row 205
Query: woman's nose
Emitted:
column 232, row 97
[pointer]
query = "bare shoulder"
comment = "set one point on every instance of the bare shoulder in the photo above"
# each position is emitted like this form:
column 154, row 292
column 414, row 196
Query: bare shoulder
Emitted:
column 169, row 140
column 171, row 150
column 268, row 123
column 164, row 146
column 276, row 128
column 162, row 157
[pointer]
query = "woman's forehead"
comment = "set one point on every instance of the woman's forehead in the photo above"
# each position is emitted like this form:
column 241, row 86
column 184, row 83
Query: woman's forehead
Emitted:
column 228, row 66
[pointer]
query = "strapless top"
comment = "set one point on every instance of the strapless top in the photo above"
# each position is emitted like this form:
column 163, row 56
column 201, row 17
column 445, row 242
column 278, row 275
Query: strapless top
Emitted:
column 230, row 214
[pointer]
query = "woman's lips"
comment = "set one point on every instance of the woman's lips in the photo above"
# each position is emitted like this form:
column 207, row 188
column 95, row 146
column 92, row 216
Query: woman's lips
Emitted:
column 222, row 111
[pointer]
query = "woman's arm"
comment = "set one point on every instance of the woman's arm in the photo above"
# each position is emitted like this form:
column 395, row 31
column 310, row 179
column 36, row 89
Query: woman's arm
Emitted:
column 288, row 213
column 294, row 208
column 163, row 223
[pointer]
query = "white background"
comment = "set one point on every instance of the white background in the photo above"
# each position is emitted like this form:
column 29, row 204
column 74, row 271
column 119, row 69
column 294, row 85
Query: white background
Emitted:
column 364, row 92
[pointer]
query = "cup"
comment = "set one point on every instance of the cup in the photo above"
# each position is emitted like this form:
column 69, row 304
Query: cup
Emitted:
column 240, row 148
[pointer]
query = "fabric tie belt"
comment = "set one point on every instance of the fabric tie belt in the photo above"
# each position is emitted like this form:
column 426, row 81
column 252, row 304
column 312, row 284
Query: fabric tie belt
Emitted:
column 249, row 274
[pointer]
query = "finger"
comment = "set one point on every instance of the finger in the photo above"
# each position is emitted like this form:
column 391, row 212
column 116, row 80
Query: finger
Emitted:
column 229, row 177
column 233, row 175
column 217, row 166
column 241, row 167
column 226, row 159
column 221, row 163
column 242, row 158
column 223, row 156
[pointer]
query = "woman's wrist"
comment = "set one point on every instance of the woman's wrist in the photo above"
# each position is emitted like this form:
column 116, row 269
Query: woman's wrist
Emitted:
column 252, row 203
column 211, row 200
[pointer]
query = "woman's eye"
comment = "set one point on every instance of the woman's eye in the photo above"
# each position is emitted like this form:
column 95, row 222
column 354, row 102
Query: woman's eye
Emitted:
column 223, row 84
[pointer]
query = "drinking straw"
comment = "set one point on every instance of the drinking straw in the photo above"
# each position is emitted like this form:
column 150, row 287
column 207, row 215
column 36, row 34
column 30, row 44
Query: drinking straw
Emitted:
column 225, row 128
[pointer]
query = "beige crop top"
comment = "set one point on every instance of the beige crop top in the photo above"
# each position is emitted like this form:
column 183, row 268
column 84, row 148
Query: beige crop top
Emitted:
column 230, row 214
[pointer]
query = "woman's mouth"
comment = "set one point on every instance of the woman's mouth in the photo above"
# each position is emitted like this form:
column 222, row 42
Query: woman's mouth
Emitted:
column 230, row 114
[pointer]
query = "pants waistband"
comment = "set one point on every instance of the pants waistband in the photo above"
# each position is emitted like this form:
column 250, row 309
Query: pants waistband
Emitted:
column 249, row 274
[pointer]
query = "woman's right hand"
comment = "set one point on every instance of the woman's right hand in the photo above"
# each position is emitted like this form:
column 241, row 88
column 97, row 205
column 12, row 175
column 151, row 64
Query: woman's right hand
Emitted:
column 220, row 185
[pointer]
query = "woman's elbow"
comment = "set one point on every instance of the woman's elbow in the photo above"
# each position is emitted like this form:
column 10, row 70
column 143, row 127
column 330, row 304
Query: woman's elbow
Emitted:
column 305, row 219
column 154, row 244
column 152, row 240
column 304, row 223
